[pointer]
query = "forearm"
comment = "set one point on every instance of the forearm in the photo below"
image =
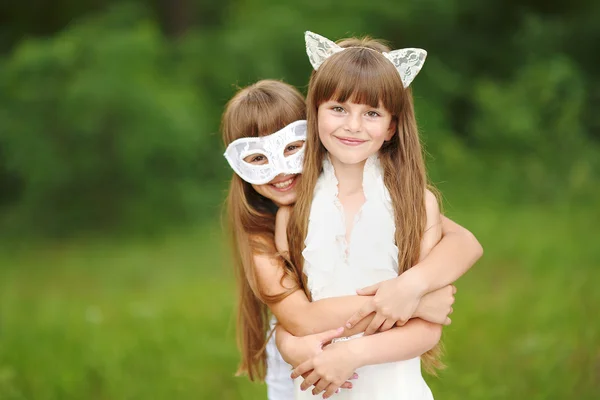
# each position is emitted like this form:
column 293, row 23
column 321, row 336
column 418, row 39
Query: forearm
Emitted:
column 398, row 344
column 456, row 252
column 303, row 317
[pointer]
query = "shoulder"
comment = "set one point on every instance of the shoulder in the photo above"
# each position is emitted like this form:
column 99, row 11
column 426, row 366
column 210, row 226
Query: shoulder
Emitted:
column 432, row 208
column 431, row 200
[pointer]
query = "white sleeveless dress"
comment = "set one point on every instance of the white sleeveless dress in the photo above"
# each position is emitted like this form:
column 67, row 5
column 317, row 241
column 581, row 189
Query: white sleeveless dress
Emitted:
column 335, row 268
column 280, row 385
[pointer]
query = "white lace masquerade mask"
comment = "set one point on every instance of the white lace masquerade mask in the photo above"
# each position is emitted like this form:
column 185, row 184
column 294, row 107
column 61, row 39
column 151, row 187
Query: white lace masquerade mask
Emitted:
column 408, row 62
column 272, row 147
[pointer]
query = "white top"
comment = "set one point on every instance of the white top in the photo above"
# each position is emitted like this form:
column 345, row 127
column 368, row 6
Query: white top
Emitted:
column 279, row 383
column 336, row 268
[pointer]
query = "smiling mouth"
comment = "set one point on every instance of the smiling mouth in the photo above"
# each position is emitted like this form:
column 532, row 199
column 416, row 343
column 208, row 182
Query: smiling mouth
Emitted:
column 350, row 141
column 283, row 186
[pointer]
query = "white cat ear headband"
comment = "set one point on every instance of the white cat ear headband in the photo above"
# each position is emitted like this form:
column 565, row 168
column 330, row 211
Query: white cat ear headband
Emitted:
column 408, row 62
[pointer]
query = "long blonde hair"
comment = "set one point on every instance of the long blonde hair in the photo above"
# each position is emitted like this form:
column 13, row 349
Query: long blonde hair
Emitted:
column 257, row 110
column 362, row 75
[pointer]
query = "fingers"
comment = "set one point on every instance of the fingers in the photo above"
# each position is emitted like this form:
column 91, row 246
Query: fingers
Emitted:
column 453, row 289
column 302, row 369
column 387, row 325
column 331, row 390
column 448, row 321
column 365, row 310
column 369, row 290
column 327, row 336
column 321, row 386
column 310, row 380
column 374, row 325
column 451, row 311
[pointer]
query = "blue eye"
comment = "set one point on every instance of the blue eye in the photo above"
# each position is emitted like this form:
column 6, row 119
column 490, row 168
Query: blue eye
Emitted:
column 373, row 114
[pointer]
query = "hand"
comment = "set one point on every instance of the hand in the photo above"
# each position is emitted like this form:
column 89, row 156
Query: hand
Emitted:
column 297, row 349
column 328, row 370
column 437, row 305
column 394, row 303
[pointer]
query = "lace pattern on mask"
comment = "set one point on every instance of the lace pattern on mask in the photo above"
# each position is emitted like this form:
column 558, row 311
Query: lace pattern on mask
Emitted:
column 272, row 147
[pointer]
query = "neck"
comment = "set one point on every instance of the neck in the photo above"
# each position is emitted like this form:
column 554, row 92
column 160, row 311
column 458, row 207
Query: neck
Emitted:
column 349, row 176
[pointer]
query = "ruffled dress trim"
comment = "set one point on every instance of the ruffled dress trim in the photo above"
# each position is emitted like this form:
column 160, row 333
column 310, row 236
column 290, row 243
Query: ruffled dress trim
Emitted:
column 329, row 258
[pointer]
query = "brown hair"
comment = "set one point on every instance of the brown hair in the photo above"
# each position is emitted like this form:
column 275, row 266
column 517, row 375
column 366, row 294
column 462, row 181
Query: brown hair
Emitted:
column 257, row 110
column 362, row 75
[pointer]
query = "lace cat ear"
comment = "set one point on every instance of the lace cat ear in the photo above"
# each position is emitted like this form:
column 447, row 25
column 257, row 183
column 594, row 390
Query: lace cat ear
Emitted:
column 408, row 62
column 319, row 48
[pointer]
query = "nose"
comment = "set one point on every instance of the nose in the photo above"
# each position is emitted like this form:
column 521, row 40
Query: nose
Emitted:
column 353, row 123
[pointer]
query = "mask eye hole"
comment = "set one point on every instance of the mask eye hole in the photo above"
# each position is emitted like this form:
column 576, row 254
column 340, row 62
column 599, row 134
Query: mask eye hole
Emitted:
column 256, row 159
column 293, row 148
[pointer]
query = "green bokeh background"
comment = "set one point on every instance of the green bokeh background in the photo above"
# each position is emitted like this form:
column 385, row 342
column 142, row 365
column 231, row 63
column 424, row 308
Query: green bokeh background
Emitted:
column 115, row 281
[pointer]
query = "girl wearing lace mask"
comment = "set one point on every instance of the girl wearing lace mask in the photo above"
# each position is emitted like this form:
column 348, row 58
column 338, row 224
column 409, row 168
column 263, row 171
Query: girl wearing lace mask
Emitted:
column 364, row 216
column 264, row 130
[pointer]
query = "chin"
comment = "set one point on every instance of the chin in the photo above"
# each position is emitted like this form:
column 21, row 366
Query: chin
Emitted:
column 287, row 200
column 351, row 159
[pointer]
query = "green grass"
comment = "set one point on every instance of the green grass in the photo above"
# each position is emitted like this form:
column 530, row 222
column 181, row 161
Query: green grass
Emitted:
column 154, row 319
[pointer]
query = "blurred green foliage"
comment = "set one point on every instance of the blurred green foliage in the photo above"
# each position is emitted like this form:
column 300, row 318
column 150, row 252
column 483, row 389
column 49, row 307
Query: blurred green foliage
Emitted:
column 110, row 121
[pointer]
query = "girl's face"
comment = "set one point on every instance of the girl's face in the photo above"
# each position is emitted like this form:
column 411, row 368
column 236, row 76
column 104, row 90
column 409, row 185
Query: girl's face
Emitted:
column 352, row 132
column 282, row 189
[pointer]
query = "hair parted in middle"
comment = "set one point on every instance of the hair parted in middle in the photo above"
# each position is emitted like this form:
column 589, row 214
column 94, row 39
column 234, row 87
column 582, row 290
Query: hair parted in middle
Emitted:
column 257, row 110
column 361, row 74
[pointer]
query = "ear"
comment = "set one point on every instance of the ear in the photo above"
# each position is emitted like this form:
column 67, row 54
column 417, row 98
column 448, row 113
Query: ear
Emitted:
column 408, row 62
column 319, row 48
column 391, row 130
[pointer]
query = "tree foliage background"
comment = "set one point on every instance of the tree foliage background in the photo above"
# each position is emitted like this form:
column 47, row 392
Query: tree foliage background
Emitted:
column 110, row 111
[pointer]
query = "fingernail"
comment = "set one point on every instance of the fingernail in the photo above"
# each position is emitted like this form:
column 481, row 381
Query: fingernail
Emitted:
column 355, row 376
column 340, row 329
column 348, row 325
column 337, row 390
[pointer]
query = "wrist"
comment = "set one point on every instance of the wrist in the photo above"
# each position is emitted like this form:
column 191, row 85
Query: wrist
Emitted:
column 417, row 280
column 358, row 352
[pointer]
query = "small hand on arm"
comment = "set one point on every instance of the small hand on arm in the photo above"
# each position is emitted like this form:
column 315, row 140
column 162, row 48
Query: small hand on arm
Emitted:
column 295, row 312
column 396, row 301
column 332, row 367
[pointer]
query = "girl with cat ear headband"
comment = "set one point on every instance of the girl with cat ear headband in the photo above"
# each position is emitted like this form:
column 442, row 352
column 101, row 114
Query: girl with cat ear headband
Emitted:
column 361, row 131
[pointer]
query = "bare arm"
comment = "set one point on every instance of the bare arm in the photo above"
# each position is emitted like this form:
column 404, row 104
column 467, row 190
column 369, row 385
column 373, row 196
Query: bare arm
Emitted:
column 398, row 344
column 455, row 254
column 440, row 265
column 330, row 368
column 296, row 313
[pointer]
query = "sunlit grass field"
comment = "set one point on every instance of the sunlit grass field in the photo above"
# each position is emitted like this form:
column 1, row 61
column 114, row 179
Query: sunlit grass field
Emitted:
column 153, row 318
